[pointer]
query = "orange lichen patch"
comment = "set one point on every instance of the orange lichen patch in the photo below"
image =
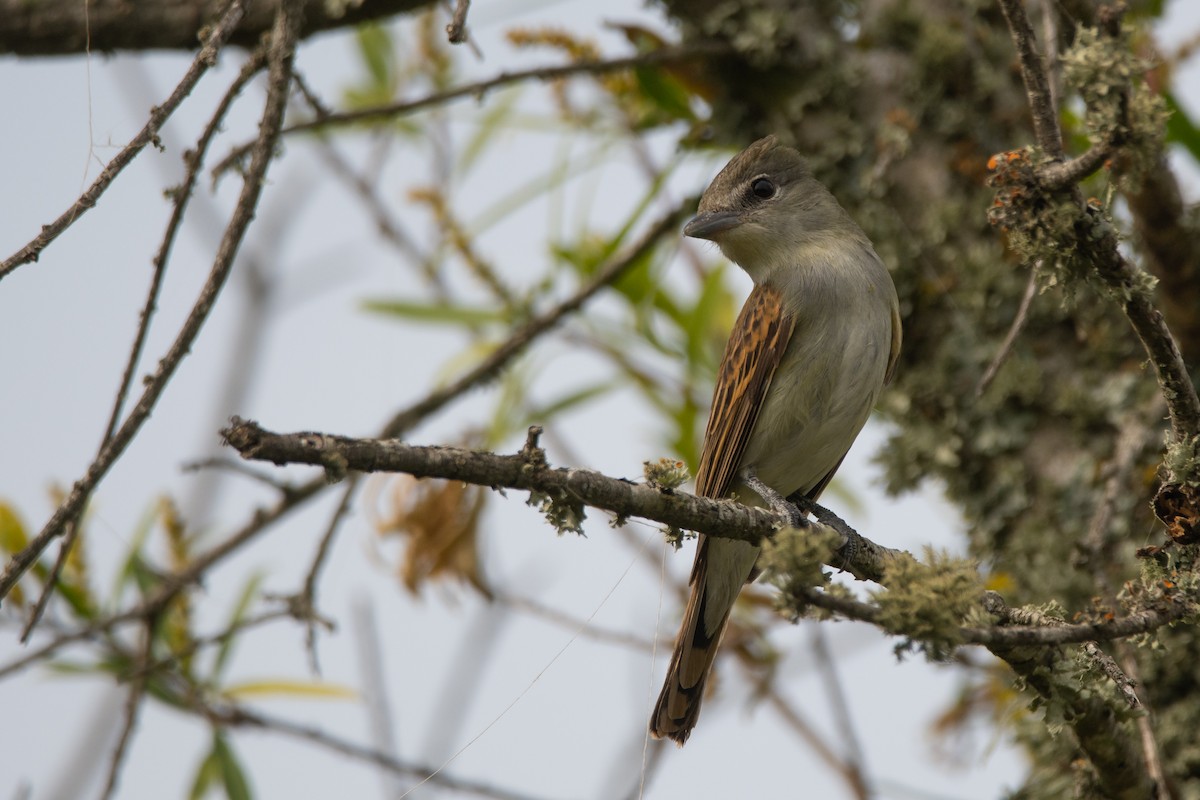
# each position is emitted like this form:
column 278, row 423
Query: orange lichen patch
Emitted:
column 1179, row 509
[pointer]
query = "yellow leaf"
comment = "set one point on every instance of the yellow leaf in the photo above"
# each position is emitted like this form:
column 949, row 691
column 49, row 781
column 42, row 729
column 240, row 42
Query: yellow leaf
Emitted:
column 284, row 687
column 999, row 582
column 12, row 531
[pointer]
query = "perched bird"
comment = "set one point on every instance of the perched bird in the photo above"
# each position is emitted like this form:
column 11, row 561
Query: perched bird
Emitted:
column 811, row 349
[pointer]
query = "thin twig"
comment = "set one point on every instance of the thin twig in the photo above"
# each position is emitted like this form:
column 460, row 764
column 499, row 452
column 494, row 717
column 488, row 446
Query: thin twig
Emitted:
column 1097, row 545
column 1104, row 662
column 281, row 56
column 372, row 675
column 194, row 161
column 1110, row 265
column 480, row 88
column 133, row 703
column 198, row 643
column 796, row 721
column 239, row 716
column 1050, row 38
column 308, row 596
column 1010, row 339
column 1145, row 723
column 175, row 583
column 207, row 56
column 239, row 468
column 457, row 29
column 1033, row 73
column 835, row 693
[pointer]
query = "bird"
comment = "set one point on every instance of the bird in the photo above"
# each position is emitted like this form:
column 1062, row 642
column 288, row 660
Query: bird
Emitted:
column 810, row 352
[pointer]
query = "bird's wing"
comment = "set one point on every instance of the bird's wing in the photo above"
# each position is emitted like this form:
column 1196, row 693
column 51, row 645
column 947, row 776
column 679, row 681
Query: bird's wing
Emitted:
column 752, row 355
column 756, row 346
column 894, row 355
column 755, row 349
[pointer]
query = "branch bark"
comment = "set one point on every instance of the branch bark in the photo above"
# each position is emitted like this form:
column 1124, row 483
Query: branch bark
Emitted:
column 66, row 27
column 567, row 490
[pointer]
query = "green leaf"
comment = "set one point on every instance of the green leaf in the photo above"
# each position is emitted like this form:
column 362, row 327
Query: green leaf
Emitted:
column 377, row 52
column 1180, row 128
column 438, row 313
column 207, row 774
column 234, row 778
column 665, row 92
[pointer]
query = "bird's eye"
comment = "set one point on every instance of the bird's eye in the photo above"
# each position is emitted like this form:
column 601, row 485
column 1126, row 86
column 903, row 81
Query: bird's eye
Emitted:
column 762, row 188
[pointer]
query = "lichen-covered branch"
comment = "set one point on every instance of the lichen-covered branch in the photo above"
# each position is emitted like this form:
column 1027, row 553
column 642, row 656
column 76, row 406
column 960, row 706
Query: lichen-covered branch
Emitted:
column 1048, row 220
column 562, row 493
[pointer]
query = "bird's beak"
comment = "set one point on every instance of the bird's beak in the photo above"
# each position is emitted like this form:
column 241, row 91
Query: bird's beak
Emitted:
column 710, row 223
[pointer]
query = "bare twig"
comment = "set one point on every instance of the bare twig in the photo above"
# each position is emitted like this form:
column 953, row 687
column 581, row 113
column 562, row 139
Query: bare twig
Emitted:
column 281, row 55
column 198, row 643
column 372, row 676
column 239, row 468
column 480, row 88
column 175, row 583
column 457, row 29
column 193, row 160
column 308, row 596
column 1033, row 73
column 207, row 56
column 1145, row 722
column 796, row 721
column 239, row 716
column 1010, row 339
column 855, row 770
column 1097, row 547
column 133, row 703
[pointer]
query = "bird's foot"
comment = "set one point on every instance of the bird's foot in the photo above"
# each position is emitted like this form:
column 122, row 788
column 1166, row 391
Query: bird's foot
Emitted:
column 777, row 502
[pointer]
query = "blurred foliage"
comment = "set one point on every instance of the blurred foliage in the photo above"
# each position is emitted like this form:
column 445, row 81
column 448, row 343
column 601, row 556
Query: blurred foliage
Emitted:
column 181, row 666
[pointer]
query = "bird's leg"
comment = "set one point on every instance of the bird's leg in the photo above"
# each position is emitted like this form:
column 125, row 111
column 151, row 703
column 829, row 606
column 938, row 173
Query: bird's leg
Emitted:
column 850, row 538
column 775, row 500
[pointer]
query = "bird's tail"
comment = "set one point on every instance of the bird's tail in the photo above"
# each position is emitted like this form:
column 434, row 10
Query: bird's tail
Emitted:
column 678, row 705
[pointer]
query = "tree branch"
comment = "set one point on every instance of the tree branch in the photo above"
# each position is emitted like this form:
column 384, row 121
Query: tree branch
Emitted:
column 194, row 160
column 1037, row 85
column 66, row 27
column 282, row 53
column 206, row 58
column 565, row 491
column 477, row 90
